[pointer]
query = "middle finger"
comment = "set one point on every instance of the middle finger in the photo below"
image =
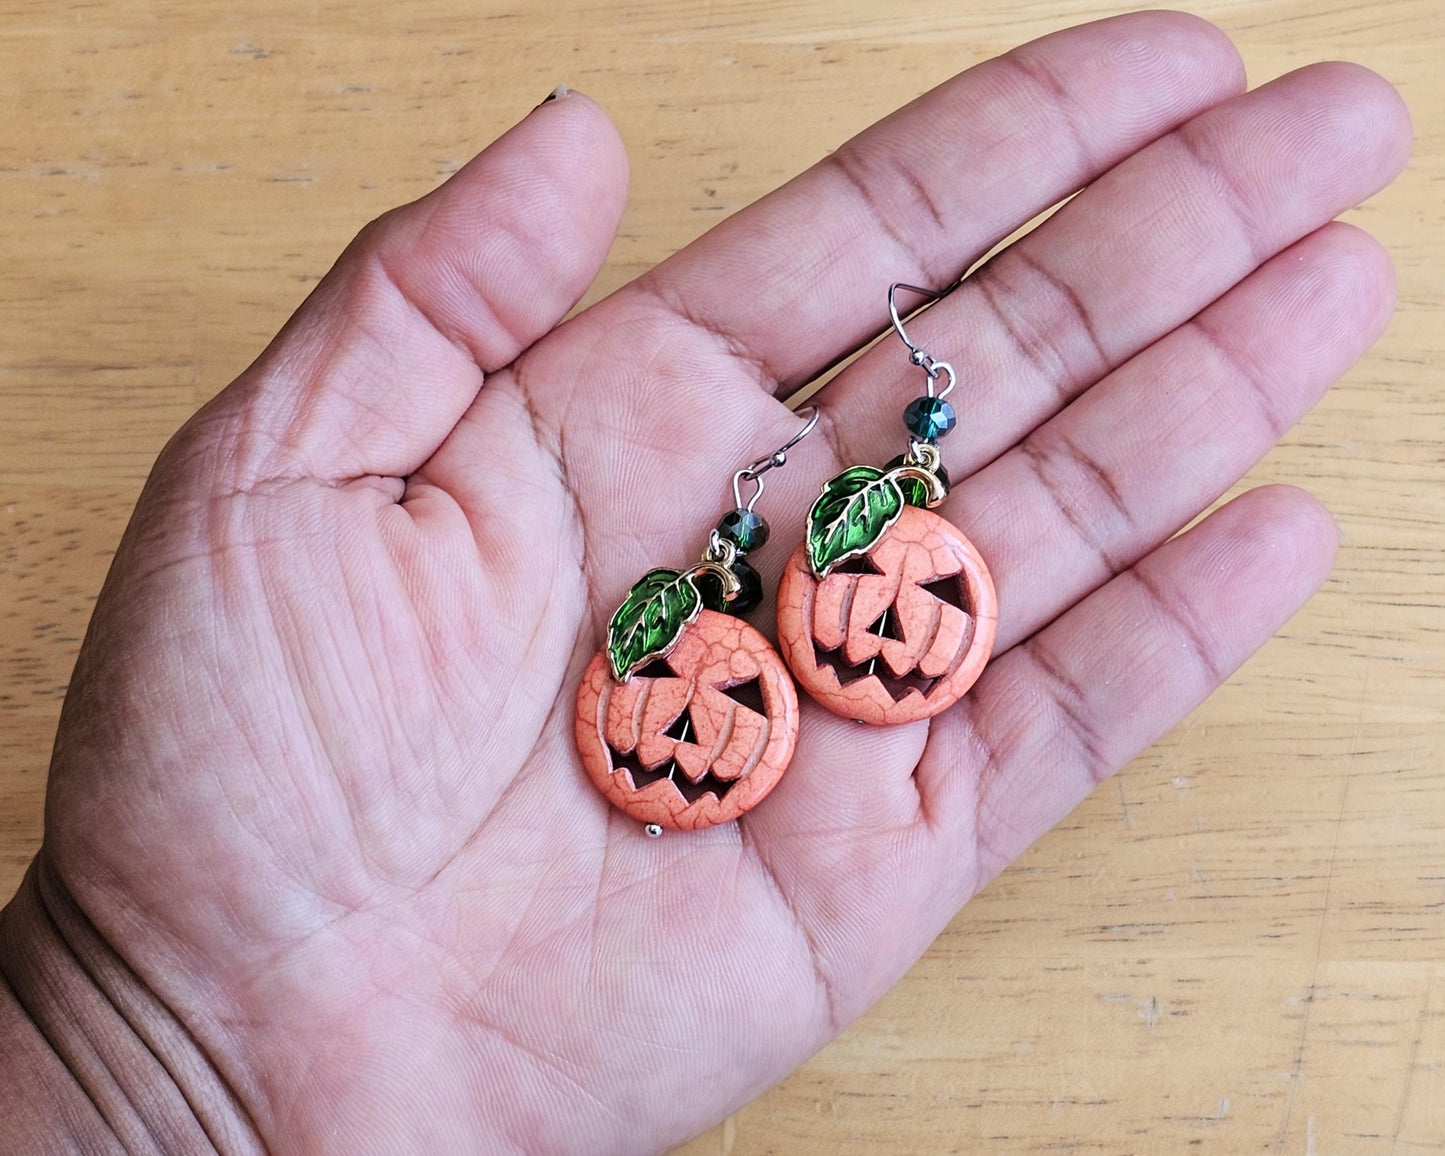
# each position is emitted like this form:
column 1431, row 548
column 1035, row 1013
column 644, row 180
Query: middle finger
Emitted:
column 1134, row 255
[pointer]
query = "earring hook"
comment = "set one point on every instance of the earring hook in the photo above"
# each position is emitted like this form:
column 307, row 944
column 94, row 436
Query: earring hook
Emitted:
column 917, row 354
column 755, row 471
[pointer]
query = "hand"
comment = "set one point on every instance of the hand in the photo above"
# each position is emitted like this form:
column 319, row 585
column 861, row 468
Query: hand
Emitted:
column 315, row 796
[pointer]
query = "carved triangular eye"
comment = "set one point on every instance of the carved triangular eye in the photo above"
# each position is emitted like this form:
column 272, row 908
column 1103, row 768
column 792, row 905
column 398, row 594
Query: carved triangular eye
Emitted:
column 680, row 728
column 887, row 625
column 748, row 695
column 862, row 564
column 657, row 668
column 949, row 590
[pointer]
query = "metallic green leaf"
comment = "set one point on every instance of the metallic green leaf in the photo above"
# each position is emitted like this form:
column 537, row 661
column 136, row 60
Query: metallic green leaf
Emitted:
column 854, row 510
column 650, row 620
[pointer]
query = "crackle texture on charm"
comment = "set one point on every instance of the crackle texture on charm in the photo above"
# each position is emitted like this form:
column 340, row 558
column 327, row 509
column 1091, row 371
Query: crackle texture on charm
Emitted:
column 901, row 633
column 696, row 738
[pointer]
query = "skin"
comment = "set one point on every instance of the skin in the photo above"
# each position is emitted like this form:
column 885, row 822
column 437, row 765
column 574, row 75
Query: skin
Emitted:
column 317, row 830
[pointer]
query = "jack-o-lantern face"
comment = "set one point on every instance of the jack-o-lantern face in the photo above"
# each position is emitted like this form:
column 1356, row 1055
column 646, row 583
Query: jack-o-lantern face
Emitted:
column 694, row 739
column 897, row 634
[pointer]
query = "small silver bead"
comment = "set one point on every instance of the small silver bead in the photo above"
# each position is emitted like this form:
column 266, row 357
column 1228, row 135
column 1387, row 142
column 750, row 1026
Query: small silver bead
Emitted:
column 654, row 830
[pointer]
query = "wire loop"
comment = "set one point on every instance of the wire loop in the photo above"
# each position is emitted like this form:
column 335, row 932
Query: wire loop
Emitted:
column 754, row 472
column 917, row 354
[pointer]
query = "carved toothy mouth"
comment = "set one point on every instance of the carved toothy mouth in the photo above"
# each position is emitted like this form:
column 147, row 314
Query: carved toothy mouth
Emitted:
column 898, row 687
column 748, row 695
column 947, row 589
column 642, row 776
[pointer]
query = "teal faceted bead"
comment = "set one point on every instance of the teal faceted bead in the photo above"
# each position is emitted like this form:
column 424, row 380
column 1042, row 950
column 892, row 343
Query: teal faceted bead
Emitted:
column 929, row 418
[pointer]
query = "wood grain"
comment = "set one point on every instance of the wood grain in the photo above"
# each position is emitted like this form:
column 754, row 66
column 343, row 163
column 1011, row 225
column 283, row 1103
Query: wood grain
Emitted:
column 1236, row 945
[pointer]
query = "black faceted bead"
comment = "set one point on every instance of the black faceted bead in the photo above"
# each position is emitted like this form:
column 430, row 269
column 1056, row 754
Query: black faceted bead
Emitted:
column 710, row 586
column 744, row 529
column 929, row 418
column 751, row 595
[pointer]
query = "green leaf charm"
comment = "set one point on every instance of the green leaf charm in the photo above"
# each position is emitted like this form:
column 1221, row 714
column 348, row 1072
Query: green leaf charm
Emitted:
column 650, row 620
column 855, row 509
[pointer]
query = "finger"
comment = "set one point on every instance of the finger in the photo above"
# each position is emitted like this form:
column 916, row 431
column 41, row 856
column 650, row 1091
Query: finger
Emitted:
column 1138, row 252
column 793, row 282
column 390, row 349
column 1128, row 463
column 1056, row 715
column 1120, row 470
column 874, row 864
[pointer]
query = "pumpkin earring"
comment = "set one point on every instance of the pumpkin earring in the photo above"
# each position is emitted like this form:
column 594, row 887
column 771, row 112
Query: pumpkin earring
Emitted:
column 886, row 612
column 688, row 718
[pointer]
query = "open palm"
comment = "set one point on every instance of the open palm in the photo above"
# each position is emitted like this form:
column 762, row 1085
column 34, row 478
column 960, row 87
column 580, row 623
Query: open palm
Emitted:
column 315, row 780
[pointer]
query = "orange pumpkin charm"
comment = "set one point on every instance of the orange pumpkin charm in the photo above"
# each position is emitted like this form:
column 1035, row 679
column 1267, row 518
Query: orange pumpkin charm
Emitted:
column 887, row 613
column 687, row 717
column 695, row 738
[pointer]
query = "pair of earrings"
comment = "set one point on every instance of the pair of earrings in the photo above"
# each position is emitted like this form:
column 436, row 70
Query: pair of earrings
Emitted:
column 886, row 614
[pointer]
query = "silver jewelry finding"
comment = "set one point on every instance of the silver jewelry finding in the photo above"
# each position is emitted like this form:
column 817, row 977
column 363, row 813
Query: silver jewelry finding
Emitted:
column 917, row 354
column 754, row 472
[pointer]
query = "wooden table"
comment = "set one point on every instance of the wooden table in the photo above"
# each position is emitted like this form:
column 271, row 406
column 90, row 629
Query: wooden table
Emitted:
column 1236, row 945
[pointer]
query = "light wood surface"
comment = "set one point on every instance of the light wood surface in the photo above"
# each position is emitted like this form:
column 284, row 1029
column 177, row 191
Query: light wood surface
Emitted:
column 1238, row 945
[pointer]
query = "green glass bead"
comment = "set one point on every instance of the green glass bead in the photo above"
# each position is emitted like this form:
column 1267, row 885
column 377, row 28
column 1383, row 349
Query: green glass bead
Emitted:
column 744, row 529
column 929, row 418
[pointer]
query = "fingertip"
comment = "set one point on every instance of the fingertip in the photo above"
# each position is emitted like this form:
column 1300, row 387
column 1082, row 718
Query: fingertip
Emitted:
column 1192, row 37
column 1361, row 268
column 1332, row 291
column 1313, row 533
column 1364, row 88
column 1277, row 539
column 581, row 122
column 502, row 249
column 568, row 167
column 580, row 152
column 1351, row 110
column 1191, row 50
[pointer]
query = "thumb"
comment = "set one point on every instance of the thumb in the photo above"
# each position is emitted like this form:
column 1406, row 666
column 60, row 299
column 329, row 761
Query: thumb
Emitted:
column 381, row 360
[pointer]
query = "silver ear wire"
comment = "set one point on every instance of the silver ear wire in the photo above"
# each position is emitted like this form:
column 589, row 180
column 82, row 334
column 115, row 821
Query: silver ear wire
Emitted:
column 754, row 472
column 917, row 354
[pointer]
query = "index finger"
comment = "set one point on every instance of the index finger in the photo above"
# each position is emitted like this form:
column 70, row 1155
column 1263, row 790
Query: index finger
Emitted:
column 796, row 280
